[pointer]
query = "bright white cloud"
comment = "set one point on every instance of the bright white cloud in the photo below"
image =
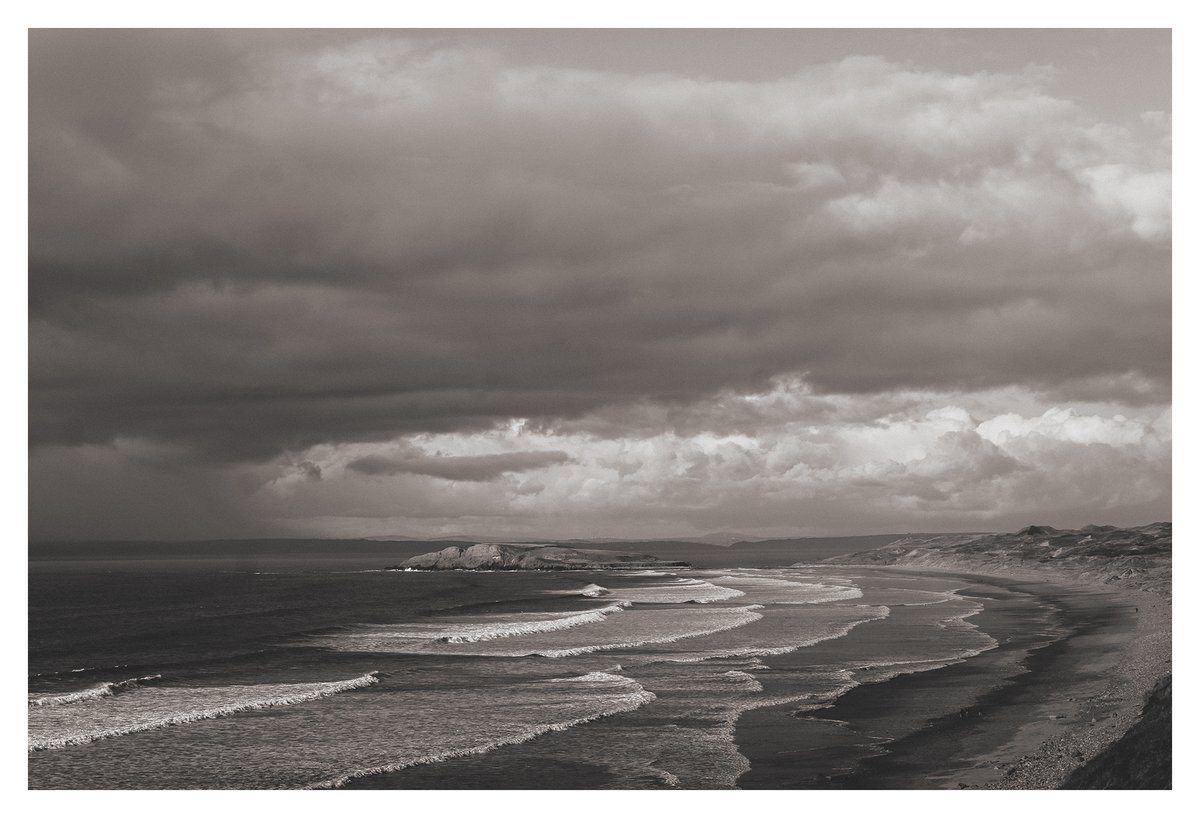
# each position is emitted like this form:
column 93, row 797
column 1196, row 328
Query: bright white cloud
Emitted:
column 932, row 461
column 1143, row 198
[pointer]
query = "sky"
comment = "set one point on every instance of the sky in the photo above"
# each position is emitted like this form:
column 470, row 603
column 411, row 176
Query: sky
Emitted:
column 508, row 284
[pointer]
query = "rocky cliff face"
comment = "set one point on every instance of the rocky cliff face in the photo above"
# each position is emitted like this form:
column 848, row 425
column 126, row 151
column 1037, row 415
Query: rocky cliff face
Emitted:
column 496, row 556
column 1137, row 558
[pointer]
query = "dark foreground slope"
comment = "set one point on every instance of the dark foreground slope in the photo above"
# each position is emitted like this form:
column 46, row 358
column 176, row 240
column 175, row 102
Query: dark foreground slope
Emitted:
column 1140, row 759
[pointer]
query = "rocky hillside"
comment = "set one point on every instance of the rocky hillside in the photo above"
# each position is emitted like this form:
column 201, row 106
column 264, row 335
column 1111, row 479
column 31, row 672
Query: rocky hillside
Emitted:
column 502, row 556
column 1138, row 558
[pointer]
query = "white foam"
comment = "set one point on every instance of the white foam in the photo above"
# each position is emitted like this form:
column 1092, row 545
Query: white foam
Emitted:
column 666, row 776
column 686, row 738
column 484, row 633
column 960, row 619
column 775, row 642
column 600, row 676
column 100, row 717
column 635, row 697
column 680, row 589
column 99, row 691
column 462, row 630
column 775, row 589
column 587, row 633
column 734, row 618
column 744, row 680
column 591, row 590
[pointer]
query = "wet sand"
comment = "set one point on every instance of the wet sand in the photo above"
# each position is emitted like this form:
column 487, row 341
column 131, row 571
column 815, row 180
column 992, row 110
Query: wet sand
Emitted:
column 1023, row 715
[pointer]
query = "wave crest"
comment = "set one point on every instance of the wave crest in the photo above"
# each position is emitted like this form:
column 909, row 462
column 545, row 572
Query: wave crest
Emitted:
column 680, row 589
column 736, row 619
column 484, row 633
column 284, row 695
column 635, row 698
column 99, row 691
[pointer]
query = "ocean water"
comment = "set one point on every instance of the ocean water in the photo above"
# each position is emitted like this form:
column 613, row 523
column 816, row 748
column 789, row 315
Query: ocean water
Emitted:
column 325, row 673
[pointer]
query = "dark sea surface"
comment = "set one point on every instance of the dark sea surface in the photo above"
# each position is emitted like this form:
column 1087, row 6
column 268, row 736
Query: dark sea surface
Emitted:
column 319, row 669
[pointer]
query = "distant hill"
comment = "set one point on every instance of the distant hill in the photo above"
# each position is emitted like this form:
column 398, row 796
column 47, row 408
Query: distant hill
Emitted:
column 1138, row 558
column 721, row 538
column 754, row 554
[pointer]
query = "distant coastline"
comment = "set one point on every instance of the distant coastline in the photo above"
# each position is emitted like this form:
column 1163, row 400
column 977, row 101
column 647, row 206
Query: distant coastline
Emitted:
column 507, row 556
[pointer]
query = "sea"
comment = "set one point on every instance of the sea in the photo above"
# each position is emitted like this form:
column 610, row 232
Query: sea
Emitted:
column 319, row 671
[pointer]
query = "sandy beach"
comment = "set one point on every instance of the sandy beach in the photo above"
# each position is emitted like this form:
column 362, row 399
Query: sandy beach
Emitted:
column 1089, row 709
column 1072, row 699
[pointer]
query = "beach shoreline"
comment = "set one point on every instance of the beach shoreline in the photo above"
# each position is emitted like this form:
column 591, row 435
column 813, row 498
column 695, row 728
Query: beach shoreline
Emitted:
column 1097, row 714
column 1083, row 701
column 1016, row 716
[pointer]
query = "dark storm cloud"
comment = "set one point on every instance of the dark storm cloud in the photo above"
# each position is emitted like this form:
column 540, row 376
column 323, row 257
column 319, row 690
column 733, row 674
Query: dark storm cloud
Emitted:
column 309, row 469
column 247, row 243
column 471, row 468
column 122, row 490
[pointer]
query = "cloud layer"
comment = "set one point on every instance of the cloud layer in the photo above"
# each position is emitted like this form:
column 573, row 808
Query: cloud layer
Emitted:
column 926, row 460
column 248, row 246
column 469, row 468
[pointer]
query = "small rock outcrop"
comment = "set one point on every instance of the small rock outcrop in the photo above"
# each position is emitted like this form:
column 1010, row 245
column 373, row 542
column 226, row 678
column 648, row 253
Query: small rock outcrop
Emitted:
column 506, row 556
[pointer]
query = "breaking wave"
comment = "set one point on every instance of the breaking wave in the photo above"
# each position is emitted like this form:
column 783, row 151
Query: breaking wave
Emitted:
column 546, row 635
column 595, row 676
column 739, row 617
column 959, row 620
column 152, row 716
column 451, row 631
column 777, row 590
column 98, row 692
column 632, row 700
column 484, row 633
column 744, row 681
column 786, row 643
column 681, row 589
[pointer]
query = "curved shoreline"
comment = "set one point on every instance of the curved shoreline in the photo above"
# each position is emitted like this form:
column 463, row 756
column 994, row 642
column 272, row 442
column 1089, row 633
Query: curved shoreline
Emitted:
column 1029, row 731
column 1077, row 697
column 1031, row 728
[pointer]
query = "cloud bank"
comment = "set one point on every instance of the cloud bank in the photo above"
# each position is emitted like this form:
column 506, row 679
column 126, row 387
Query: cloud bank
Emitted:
column 248, row 249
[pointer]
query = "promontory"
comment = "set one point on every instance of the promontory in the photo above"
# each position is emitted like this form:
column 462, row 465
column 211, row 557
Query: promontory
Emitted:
column 512, row 556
